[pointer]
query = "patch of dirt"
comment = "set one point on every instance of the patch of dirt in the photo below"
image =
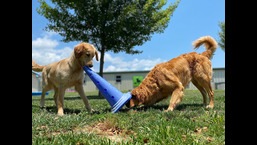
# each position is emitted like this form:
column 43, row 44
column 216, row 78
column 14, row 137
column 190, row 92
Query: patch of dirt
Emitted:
column 105, row 129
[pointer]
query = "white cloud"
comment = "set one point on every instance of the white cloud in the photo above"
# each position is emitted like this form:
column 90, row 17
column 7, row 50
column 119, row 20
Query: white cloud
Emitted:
column 119, row 64
column 44, row 43
column 45, row 51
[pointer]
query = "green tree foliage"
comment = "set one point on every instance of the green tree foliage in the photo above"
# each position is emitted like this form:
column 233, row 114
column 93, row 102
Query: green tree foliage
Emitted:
column 111, row 25
column 222, row 35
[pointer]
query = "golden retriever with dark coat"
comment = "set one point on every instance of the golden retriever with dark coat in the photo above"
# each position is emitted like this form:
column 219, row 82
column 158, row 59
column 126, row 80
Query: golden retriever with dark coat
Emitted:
column 170, row 78
column 67, row 73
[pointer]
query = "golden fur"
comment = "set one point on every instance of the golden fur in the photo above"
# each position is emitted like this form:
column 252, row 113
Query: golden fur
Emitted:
column 67, row 73
column 170, row 78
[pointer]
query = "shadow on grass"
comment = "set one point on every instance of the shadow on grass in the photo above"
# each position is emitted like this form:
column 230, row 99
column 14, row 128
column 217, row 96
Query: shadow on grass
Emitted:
column 185, row 106
column 73, row 98
column 53, row 109
column 179, row 107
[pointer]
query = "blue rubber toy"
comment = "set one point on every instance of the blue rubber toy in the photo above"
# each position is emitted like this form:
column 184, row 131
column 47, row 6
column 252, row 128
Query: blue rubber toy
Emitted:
column 115, row 98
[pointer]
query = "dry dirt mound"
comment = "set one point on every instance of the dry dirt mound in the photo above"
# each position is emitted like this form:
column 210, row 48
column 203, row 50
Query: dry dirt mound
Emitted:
column 105, row 129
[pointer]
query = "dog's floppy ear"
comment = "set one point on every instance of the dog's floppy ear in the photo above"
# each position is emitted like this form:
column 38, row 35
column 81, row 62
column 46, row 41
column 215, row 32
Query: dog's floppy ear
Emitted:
column 78, row 51
column 127, row 104
column 96, row 53
column 132, row 102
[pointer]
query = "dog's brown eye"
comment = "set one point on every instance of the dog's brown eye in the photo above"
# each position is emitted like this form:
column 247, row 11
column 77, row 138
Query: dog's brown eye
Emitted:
column 88, row 55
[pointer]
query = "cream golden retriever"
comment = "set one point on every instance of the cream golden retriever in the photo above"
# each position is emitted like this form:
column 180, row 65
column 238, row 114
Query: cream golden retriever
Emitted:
column 67, row 73
column 170, row 78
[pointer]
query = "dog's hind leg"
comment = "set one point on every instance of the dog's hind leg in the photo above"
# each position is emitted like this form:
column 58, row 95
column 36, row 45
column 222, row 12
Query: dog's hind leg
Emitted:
column 210, row 92
column 46, row 86
column 176, row 96
column 206, row 84
column 55, row 96
column 80, row 90
column 203, row 77
column 202, row 90
column 42, row 99
column 60, row 99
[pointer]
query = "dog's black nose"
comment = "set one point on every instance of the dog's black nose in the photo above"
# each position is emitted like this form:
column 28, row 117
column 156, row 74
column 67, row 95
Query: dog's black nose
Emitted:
column 91, row 65
column 127, row 104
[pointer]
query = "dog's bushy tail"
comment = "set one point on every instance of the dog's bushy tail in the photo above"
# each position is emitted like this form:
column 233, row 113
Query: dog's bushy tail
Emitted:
column 36, row 67
column 209, row 43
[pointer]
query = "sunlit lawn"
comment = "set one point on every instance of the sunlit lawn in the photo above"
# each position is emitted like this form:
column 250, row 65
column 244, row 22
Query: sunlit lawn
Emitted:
column 190, row 123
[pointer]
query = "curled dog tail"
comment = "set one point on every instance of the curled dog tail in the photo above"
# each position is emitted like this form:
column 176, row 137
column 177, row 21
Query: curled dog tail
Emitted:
column 209, row 43
column 36, row 67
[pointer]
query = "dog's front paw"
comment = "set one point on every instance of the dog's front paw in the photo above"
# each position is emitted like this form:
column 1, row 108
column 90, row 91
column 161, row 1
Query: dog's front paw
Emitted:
column 92, row 111
column 89, row 109
column 169, row 109
column 95, row 112
column 209, row 106
column 60, row 113
column 42, row 107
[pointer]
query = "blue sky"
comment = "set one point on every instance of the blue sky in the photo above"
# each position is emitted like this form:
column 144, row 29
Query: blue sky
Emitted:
column 191, row 20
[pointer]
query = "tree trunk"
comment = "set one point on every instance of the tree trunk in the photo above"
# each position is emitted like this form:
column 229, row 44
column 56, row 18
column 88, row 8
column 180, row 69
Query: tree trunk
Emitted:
column 101, row 65
column 101, row 62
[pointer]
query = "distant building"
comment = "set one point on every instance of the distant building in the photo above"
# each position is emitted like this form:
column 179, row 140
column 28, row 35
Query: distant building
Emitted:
column 127, row 80
column 36, row 82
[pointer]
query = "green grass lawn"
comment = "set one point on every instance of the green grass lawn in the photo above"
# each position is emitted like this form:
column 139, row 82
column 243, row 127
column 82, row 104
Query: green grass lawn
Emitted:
column 190, row 123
